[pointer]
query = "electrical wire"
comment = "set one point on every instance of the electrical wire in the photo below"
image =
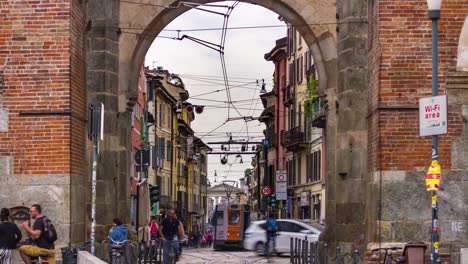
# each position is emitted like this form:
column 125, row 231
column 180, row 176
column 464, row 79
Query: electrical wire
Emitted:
column 123, row 29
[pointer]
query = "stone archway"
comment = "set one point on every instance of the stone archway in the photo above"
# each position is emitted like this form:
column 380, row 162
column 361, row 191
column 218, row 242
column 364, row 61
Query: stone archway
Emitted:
column 115, row 55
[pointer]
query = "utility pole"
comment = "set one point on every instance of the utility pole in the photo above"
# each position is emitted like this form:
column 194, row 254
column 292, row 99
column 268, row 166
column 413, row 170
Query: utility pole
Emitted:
column 265, row 171
column 95, row 130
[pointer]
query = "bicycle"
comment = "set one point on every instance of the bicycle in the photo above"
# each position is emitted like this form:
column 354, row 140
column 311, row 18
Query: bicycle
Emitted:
column 173, row 255
column 118, row 250
column 388, row 258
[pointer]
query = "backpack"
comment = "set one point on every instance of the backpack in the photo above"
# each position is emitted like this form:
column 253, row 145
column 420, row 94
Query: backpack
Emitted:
column 49, row 230
column 272, row 225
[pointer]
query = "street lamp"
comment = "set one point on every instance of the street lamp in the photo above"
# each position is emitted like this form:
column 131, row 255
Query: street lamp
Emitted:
column 434, row 15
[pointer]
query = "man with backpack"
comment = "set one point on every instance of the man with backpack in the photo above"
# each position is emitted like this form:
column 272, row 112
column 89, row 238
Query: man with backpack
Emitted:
column 42, row 234
column 271, row 229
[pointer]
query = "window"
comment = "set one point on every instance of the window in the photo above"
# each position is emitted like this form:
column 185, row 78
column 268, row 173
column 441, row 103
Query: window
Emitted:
column 292, row 76
column 291, row 40
column 294, row 171
column 169, row 150
column 154, row 161
column 137, row 111
column 299, row 69
column 299, row 170
column 314, row 166
column 160, row 115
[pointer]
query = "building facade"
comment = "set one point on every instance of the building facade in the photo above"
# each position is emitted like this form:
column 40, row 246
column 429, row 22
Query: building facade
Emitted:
column 294, row 129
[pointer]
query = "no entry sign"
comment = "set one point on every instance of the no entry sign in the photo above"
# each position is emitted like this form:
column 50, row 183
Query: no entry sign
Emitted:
column 266, row 191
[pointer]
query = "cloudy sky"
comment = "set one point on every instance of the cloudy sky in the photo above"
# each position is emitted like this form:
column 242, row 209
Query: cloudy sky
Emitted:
column 201, row 71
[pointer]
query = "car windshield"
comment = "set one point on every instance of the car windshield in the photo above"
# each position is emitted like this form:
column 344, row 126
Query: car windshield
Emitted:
column 314, row 225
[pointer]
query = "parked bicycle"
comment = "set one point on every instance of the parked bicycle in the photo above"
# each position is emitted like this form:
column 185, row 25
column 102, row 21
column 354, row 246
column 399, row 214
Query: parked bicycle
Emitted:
column 388, row 258
column 117, row 251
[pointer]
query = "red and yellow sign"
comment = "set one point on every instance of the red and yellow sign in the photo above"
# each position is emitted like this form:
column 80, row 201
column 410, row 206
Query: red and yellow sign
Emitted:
column 433, row 176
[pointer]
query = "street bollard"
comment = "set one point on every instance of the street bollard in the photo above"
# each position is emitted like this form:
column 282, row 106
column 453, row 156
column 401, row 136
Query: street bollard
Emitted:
column 291, row 250
column 312, row 253
column 299, row 256
column 295, row 250
column 325, row 256
column 338, row 255
column 355, row 256
column 306, row 250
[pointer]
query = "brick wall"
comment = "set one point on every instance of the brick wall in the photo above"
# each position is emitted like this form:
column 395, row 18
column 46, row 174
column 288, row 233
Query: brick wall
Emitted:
column 400, row 74
column 35, row 62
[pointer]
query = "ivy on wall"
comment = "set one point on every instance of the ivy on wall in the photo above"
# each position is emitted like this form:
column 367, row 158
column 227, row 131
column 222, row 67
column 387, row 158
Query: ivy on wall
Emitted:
column 310, row 104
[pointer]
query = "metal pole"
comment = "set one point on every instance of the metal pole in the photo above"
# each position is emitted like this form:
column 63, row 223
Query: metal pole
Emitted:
column 96, row 114
column 434, row 15
column 258, row 182
column 265, row 166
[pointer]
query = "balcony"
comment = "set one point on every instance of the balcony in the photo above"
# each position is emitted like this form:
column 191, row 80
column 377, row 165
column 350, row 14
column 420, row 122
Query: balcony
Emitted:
column 319, row 120
column 295, row 139
column 289, row 96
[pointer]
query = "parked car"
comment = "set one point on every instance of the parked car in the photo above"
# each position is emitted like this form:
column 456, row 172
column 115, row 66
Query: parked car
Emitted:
column 255, row 237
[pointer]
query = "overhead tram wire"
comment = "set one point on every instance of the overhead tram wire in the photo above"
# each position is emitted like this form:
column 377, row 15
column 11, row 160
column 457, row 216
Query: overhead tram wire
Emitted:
column 141, row 33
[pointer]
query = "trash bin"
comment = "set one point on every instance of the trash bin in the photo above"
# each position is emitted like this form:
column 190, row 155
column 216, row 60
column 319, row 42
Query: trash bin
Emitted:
column 414, row 252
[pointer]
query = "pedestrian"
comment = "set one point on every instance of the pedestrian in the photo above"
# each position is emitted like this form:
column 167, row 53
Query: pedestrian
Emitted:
column 197, row 237
column 10, row 235
column 117, row 237
column 209, row 239
column 170, row 230
column 203, row 241
column 153, row 228
column 41, row 242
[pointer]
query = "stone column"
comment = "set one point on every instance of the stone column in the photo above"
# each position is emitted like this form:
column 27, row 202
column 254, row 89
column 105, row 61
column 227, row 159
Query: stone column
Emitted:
column 346, row 141
column 113, row 188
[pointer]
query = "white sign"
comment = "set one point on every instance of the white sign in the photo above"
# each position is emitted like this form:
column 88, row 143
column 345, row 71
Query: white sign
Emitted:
column 283, row 196
column 280, row 176
column 304, row 199
column 433, row 115
column 281, row 187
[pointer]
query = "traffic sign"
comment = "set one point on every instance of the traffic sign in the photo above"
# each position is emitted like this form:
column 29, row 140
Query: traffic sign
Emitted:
column 280, row 176
column 266, row 191
column 142, row 153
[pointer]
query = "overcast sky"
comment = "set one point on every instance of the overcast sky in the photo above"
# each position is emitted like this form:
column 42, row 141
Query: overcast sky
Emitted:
column 201, row 71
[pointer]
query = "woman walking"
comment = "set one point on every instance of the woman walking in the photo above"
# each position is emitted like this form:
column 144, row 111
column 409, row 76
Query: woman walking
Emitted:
column 10, row 235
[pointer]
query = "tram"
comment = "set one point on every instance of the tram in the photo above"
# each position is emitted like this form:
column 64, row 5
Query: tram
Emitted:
column 229, row 223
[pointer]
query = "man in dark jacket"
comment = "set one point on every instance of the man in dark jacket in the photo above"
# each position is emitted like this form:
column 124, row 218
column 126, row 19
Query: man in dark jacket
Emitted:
column 10, row 235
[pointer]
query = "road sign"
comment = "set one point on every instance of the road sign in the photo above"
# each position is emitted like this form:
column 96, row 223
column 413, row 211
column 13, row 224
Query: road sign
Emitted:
column 433, row 115
column 281, row 187
column 280, row 176
column 282, row 196
column 266, row 191
column 139, row 154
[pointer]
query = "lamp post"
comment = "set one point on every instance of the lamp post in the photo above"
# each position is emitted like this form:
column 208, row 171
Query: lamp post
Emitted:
column 434, row 15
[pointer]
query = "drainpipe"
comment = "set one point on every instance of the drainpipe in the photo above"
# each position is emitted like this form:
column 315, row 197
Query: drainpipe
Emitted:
column 172, row 158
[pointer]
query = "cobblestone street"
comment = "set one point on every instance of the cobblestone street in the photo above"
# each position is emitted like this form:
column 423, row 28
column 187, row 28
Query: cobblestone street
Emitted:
column 209, row 256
